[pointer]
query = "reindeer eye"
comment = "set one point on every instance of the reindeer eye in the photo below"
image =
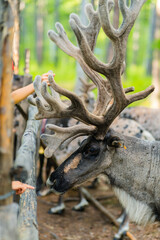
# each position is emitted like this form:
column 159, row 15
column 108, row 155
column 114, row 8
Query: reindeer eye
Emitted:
column 91, row 151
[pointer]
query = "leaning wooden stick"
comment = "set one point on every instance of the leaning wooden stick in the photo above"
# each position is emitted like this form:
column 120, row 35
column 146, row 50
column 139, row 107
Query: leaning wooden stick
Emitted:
column 104, row 210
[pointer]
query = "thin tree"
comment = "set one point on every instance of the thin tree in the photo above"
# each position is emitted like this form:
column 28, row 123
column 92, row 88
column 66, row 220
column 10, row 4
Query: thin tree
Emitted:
column 109, row 51
column 151, row 39
column 80, row 72
column 16, row 39
column 39, row 18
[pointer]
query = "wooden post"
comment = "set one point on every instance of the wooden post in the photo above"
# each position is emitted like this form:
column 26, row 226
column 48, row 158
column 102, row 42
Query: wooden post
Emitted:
column 8, row 210
column 26, row 158
column 26, row 79
column 27, row 61
column 6, row 108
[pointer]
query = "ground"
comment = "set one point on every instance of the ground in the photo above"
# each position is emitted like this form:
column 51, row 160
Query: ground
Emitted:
column 90, row 224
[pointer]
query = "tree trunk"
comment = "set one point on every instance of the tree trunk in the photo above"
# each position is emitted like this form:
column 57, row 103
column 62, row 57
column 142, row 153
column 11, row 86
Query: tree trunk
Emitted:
column 56, row 19
column 80, row 72
column 151, row 39
column 27, row 61
column 109, row 51
column 93, row 3
column 16, row 38
column 39, row 30
column 6, row 108
column 8, row 210
column 136, row 36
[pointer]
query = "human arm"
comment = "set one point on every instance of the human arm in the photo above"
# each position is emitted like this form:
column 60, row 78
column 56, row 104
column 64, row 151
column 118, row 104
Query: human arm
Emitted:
column 21, row 93
column 20, row 187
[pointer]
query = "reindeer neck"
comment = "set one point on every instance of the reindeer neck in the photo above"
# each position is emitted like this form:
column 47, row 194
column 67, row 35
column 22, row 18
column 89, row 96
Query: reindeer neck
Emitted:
column 135, row 176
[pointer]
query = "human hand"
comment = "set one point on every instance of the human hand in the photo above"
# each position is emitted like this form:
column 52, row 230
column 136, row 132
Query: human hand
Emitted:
column 45, row 77
column 20, row 187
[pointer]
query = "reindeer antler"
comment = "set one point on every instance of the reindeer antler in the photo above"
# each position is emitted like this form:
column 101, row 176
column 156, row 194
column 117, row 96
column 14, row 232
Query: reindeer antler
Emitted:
column 112, row 70
column 105, row 110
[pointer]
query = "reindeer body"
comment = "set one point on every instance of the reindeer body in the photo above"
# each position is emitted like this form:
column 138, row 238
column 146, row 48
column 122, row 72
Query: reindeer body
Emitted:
column 148, row 118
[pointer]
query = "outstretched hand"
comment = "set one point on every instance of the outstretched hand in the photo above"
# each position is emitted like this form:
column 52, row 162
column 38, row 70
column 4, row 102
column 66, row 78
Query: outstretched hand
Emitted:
column 45, row 77
column 20, row 187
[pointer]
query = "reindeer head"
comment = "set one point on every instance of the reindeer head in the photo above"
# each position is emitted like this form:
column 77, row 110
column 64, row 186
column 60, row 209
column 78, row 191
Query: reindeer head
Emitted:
column 85, row 163
column 88, row 160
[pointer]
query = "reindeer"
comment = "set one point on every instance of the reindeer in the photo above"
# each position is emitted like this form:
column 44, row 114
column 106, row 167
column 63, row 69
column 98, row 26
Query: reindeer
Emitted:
column 131, row 164
column 149, row 118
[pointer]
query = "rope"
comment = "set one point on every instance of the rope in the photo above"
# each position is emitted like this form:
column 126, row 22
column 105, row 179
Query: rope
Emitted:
column 7, row 195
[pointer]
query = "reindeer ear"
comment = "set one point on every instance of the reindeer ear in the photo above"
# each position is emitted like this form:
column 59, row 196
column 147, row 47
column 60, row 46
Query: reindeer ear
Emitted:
column 115, row 142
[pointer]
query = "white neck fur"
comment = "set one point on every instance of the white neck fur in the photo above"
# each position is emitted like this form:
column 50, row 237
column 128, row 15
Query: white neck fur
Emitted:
column 137, row 211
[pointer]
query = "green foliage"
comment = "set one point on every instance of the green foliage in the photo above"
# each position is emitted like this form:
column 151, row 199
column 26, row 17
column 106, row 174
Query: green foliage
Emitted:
column 136, row 77
column 156, row 44
column 64, row 72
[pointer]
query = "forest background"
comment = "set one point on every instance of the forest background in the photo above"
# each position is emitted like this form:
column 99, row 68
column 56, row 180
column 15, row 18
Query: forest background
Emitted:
column 143, row 49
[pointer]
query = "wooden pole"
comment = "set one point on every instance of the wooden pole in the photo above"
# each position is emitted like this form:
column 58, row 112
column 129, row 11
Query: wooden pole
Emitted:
column 8, row 209
column 26, row 79
column 26, row 153
column 27, row 61
column 6, row 108
column 26, row 158
column 104, row 211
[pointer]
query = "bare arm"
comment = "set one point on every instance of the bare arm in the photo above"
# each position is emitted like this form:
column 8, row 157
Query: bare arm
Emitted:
column 21, row 93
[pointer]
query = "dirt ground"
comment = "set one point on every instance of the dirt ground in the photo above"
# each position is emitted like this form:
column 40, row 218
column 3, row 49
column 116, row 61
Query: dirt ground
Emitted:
column 89, row 224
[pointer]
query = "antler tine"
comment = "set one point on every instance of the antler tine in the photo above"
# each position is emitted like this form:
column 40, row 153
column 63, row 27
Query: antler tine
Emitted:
column 64, row 44
column 88, row 55
column 62, row 41
column 63, row 134
column 140, row 95
column 129, row 15
column 91, row 31
column 31, row 100
column 77, row 109
column 103, row 9
column 119, row 44
column 52, row 107
column 45, row 103
column 37, row 87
